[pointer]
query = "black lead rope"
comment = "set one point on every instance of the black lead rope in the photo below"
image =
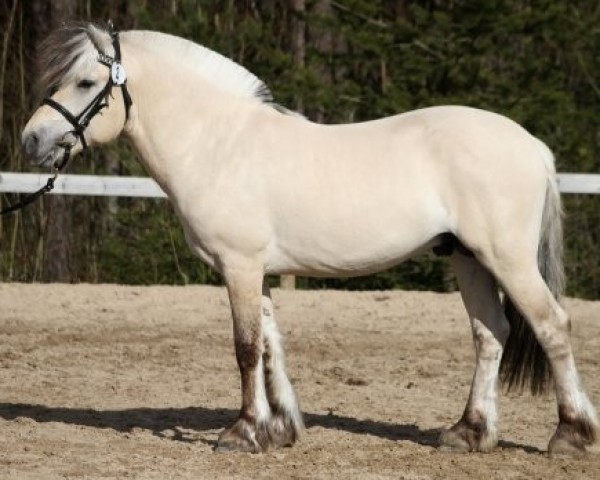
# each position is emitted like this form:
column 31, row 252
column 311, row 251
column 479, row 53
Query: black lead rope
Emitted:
column 81, row 121
column 27, row 199
column 32, row 196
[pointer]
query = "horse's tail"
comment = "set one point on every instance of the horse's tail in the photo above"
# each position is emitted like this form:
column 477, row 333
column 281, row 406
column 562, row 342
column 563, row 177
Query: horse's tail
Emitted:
column 524, row 362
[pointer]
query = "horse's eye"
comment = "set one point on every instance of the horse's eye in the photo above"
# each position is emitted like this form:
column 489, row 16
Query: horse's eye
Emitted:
column 86, row 84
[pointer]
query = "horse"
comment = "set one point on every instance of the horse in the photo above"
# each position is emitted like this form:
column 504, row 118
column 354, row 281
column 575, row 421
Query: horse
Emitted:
column 260, row 190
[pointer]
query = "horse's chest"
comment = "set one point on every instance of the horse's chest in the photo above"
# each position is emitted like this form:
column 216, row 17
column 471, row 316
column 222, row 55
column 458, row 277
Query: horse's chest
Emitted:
column 199, row 248
column 214, row 229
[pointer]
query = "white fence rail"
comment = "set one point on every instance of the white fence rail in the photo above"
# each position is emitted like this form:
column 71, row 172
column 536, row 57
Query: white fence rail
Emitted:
column 113, row 186
column 579, row 183
column 95, row 185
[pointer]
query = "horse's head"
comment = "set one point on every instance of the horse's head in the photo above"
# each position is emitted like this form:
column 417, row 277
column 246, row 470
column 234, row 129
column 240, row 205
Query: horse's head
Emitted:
column 80, row 69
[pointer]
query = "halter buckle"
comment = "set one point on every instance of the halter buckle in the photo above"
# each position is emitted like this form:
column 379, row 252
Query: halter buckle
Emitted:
column 117, row 73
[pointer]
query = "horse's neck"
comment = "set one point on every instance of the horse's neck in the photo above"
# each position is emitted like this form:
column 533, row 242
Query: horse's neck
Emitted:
column 177, row 118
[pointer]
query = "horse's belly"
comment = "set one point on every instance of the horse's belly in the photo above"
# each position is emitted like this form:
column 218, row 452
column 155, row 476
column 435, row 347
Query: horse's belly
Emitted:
column 352, row 248
column 347, row 266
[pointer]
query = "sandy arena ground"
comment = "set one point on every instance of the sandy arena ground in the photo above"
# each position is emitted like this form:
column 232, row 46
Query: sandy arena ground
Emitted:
column 102, row 382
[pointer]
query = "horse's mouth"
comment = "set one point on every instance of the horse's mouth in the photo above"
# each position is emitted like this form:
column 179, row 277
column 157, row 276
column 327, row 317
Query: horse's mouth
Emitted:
column 51, row 157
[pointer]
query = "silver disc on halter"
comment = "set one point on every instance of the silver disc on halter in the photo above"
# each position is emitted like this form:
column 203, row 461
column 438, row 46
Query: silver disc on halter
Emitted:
column 117, row 73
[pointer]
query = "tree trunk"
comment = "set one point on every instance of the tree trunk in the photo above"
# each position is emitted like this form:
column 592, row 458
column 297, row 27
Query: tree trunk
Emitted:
column 321, row 39
column 47, row 15
column 298, row 42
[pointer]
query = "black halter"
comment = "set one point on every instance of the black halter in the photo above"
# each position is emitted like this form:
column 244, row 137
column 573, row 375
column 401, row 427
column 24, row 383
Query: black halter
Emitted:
column 99, row 102
column 81, row 121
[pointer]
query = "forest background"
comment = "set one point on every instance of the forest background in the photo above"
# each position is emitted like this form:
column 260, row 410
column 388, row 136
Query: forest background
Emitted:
column 336, row 61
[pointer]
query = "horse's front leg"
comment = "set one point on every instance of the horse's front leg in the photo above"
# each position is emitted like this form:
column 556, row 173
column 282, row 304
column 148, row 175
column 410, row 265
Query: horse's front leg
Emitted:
column 248, row 433
column 286, row 421
column 269, row 416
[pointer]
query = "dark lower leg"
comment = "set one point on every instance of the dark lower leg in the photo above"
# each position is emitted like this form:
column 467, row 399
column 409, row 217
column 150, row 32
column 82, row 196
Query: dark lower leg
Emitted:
column 248, row 432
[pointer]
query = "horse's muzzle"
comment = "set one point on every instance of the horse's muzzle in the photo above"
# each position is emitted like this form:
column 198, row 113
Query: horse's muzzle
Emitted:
column 37, row 148
column 30, row 145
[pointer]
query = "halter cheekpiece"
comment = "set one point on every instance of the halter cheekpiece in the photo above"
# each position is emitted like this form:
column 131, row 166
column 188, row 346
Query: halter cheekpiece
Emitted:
column 80, row 122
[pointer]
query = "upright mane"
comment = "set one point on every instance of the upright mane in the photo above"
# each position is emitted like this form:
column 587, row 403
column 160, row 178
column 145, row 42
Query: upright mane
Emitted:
column 69, row 47
column 210, row 65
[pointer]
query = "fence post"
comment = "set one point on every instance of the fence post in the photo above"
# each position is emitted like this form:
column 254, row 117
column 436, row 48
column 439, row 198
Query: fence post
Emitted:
column 287, row 282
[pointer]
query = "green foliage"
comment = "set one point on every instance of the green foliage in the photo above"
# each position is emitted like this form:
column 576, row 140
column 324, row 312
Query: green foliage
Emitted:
column 147, row 247
column 425, row 273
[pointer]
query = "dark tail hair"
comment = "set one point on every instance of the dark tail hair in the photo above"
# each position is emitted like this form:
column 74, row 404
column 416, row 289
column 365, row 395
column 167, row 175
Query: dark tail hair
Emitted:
column 524, row 362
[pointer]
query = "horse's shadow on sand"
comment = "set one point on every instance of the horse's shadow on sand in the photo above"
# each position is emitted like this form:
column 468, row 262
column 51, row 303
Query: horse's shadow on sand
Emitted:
column 170, row 422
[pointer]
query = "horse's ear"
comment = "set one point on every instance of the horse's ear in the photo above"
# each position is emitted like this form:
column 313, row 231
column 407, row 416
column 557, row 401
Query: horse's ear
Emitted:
column 110, row 26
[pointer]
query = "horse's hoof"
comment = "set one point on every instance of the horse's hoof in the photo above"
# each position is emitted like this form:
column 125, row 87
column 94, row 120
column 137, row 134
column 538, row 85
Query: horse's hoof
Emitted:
column 563, row 448
column 452, row 442
column 566, row 443
column 240, row 437
column 468, row 437
column 282, row 431
column 279, row 431
column 572, row 436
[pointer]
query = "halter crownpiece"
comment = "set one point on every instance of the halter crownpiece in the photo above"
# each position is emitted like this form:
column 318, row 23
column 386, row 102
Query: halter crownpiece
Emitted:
column 117, row 72
column 117, row 77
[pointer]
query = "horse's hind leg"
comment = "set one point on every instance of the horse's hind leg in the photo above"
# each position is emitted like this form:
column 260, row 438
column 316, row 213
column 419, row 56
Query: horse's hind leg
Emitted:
column 476, row 430
column 527, row 289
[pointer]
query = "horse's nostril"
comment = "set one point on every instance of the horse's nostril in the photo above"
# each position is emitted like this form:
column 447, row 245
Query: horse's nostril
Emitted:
column 30, row 146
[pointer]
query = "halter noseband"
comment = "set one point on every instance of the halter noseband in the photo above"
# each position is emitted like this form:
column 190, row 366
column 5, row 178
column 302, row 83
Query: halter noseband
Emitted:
column 100, row 101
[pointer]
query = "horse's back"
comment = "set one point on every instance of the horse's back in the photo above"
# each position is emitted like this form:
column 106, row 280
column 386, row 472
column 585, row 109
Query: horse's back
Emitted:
column 368, row 195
